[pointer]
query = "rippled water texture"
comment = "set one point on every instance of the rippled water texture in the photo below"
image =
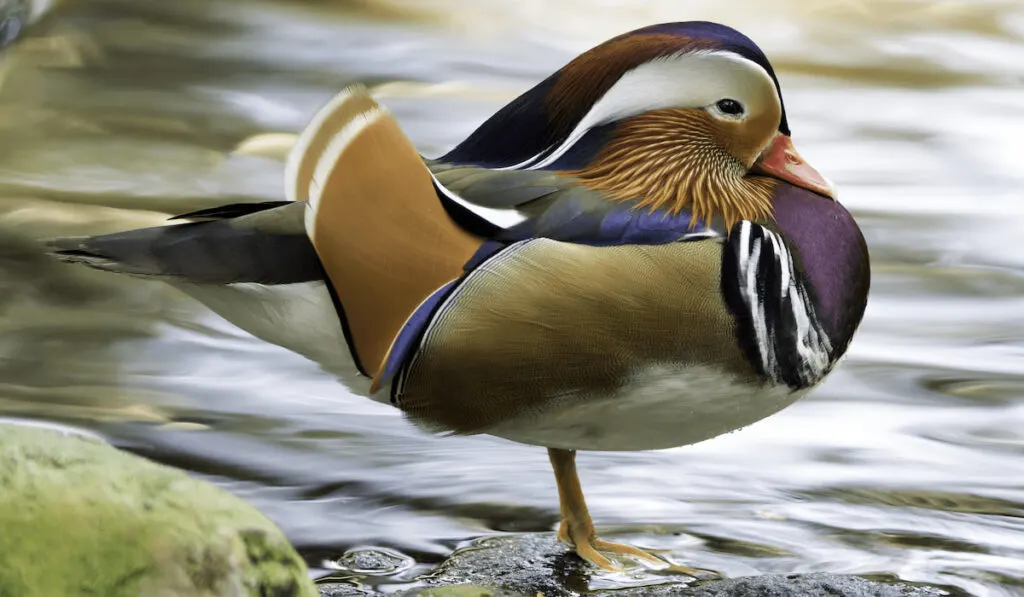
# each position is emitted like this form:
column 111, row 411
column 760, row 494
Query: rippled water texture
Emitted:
column 909, row 461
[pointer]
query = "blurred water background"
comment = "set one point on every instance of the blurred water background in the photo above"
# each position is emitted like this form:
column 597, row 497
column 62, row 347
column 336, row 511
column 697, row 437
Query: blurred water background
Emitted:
column 909, row 461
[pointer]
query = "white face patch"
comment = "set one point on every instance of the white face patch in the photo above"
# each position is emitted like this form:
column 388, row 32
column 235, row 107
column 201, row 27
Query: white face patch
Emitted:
column 690, row 80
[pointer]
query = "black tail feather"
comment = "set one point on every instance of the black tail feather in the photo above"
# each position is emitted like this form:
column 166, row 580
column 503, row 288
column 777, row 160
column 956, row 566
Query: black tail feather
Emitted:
column 225, row 212
column 210, row 252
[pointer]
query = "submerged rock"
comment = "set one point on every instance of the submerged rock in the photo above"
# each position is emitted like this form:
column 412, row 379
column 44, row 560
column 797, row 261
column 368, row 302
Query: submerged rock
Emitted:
column 531, row 565
column 79, row 517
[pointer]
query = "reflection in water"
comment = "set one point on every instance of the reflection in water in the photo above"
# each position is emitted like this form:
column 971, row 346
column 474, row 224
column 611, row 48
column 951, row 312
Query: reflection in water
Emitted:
column 116, row 113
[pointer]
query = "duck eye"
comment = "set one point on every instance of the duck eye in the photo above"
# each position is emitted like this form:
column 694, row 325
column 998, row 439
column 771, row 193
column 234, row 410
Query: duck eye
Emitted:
column 730, row 107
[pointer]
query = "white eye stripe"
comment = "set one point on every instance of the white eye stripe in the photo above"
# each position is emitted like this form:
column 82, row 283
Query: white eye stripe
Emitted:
column 688, row 80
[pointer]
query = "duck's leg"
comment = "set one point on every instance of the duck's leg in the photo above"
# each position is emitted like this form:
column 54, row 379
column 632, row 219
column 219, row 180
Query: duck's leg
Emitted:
column 577, row 528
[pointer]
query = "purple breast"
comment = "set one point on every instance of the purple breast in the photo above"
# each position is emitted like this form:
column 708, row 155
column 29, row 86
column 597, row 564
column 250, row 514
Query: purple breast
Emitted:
column 833, row 256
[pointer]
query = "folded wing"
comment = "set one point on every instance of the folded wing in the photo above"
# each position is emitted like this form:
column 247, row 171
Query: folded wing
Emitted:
column 385, row 240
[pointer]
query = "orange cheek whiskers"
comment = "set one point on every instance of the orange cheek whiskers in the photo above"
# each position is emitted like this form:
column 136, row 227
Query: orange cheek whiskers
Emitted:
column 650, row 162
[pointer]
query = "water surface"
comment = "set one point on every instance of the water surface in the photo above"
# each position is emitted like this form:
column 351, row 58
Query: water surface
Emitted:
column 908, row 461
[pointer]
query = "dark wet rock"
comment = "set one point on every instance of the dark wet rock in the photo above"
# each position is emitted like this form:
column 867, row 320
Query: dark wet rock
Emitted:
column 528, row 565
column 778, row 585
column 79, row 517
column 344, row 590
column 459, row 591
column 374, row 562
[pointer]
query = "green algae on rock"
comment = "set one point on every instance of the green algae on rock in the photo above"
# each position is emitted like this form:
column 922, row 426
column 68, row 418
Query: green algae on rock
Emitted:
column 79, row 517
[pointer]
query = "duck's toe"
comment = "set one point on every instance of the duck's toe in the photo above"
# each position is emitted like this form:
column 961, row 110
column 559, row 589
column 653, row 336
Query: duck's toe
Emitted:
column 596, row 551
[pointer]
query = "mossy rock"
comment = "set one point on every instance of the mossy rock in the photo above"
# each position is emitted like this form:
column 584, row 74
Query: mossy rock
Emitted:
column 79, row 517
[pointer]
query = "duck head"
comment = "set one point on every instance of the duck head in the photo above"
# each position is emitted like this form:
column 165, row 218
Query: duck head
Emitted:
column 673, row 116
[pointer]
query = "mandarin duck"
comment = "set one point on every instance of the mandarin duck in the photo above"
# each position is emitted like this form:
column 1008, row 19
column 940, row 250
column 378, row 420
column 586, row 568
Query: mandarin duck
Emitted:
column 631, row 255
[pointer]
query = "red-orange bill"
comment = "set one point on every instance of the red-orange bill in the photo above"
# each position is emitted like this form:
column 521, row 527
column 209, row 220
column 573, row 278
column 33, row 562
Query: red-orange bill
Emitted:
column 781, row 160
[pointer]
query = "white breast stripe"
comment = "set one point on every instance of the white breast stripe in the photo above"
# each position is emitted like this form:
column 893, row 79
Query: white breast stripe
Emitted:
column 806, row 358
column 744, row 256
column 778, row 248
column 765, row 344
